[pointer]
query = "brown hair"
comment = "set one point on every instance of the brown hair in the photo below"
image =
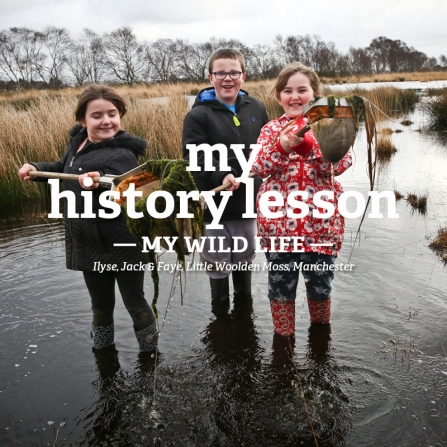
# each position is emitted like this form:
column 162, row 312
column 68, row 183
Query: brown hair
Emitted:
column 96, row 91
column 226, row 53
column 289, row 71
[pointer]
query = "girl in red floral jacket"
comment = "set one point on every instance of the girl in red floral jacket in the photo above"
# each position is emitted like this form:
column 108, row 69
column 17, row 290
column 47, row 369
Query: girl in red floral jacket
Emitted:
column 309, row 243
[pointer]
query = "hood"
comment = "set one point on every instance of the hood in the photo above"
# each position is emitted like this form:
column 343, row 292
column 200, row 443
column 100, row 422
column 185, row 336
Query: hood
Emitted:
column 209, row 94
column 122, row 139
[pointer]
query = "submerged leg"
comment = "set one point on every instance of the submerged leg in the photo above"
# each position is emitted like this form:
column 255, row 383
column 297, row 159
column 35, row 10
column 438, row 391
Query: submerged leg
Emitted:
column 144, row 322
column 101, row 287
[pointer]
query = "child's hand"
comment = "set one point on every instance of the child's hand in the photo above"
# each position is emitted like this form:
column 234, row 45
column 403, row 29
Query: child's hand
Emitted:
column 89, row 185
column 294, row 140
column 231, row 178
column 289, row 140
column 23, row 171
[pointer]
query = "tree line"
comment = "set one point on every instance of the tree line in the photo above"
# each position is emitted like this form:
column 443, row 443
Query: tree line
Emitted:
column 51, row 58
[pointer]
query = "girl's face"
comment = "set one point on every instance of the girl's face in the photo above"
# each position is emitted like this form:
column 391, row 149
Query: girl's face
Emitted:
column 102, row 120
column 296, row 94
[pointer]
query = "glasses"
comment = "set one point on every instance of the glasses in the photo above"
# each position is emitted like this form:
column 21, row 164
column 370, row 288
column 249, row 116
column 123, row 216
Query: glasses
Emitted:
column 223, row 74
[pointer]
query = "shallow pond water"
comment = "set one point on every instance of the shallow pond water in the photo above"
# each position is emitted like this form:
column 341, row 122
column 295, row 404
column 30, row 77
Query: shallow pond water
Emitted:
column 377, row 375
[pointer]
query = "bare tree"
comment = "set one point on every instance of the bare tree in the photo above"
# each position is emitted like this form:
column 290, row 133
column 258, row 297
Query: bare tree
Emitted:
column 263, row 62
column 193, row 59
column 360, row 61
column 162, row 58
column 124, row 55
column 58, row 45
column 87, row 58
column 22, row 55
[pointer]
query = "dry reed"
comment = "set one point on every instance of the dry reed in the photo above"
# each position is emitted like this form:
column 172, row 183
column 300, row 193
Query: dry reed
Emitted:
column 390, row 100
column 398, row 195
column 35, row 125
column 396, row 77
column 435, row 108
column 40, row 133
column 385, row 147
column 440, row 243
column 418, row 203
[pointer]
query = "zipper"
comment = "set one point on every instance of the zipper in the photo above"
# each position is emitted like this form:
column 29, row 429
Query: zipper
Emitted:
column 236, row 120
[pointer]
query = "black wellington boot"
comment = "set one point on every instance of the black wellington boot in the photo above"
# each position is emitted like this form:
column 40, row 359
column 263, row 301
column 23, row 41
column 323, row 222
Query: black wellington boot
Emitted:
column 220, row 289
column 242, row 283
column 220, row 296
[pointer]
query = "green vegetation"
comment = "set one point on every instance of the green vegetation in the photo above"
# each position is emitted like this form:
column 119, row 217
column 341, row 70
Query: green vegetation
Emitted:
column 435, row 107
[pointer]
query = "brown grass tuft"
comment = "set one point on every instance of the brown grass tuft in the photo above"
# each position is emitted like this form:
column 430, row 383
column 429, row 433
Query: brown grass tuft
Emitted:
column 398, row 195
column 385, row 147
column 440, row 242
column 418, row 203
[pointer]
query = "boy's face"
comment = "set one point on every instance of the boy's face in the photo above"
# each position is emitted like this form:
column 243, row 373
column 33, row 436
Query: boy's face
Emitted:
column 227, row 89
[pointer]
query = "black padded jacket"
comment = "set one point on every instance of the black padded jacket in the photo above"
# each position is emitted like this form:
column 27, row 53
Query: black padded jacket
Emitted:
column 90, row 240
column 211, row 122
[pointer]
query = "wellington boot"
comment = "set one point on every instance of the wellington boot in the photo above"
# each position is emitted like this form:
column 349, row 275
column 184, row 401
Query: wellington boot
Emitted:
column 220, row 289
column 242, row 282
column 282, row 351
column 103, row 336
column 320, row 311
column 283, row 316
column 319, row 342
column 148, row 338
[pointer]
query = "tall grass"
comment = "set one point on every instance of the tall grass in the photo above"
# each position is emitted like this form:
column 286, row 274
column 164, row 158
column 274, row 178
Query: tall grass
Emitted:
column 392, row 77
column 40, row 133
column 35, row 125
column 435, row 107
column 392, row 101
column 385, row 148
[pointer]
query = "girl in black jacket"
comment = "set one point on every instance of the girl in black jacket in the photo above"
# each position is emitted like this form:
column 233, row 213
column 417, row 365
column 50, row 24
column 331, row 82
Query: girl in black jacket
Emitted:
column 97, row 147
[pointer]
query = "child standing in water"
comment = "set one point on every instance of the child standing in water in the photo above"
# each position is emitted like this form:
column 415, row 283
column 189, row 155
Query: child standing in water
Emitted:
column 290, row 164
column 225, row 114
column 98, row 146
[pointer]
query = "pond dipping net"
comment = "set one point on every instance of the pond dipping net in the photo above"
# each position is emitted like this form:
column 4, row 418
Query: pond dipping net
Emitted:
column 170, row 176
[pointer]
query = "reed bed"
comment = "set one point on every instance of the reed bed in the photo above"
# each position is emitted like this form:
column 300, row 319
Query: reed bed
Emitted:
column 391, row 77
column 435, row 108
column 41, row 134
column 392, row 101
column 35, row 124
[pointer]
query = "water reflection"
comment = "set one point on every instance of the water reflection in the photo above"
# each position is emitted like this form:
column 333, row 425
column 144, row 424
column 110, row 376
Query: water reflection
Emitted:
column 119, row 414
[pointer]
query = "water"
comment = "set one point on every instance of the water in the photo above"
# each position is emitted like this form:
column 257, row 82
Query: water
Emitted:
column 413, row 85
column 376, row 376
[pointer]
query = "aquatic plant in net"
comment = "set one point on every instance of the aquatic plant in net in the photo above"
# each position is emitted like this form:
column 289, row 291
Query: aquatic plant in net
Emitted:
column 170, row 176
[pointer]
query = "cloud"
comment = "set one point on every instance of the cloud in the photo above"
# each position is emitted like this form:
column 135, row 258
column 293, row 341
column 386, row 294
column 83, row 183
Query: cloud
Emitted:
column 345, row 22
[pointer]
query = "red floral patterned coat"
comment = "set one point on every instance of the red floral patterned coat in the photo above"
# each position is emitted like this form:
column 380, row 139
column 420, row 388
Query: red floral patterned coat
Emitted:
column 287, row 173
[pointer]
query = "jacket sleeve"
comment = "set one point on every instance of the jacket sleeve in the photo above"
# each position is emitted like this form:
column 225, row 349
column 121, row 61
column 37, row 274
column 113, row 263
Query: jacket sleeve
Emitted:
column 195, row 131
column 52, row 166
column 273, row 158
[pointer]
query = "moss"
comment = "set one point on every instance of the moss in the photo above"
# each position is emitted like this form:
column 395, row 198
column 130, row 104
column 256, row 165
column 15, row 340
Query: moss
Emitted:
column 173, row 177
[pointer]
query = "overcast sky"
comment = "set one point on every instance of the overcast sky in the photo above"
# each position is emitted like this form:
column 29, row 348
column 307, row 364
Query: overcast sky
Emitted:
column 420, row 24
